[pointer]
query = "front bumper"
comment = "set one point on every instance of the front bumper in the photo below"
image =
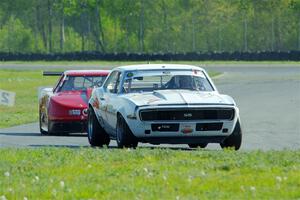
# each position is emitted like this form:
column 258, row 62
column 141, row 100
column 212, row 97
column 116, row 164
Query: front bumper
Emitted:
column 183, row 140
column 68, row 126
column 185, row 131
column 181, row 129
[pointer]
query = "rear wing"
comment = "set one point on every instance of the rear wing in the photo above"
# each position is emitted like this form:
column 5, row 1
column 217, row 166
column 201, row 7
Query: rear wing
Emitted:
column 52, row 73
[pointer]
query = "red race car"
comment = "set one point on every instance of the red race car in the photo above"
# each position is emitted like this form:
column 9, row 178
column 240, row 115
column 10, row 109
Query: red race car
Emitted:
column 63, row 109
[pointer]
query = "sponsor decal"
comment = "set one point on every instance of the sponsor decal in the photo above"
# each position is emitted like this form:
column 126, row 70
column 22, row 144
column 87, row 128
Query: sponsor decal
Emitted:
column 164, row 126
column 129, row 74
column 7, row 98
column 96, row 103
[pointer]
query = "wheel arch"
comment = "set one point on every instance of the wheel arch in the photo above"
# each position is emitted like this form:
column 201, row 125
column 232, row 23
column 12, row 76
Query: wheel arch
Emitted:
column 90, row 106
column 122, row 111
column 126, row 121
column 119, row 113
column 122, row 115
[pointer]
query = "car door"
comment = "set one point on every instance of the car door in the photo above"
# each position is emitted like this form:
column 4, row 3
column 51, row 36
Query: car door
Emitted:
column 109, row 100
column 113, row 104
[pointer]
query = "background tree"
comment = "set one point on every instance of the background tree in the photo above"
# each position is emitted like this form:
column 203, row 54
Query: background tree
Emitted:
column 149, row 26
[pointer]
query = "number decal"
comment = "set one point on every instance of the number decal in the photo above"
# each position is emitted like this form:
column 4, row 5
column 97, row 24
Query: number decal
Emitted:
column 4, row 98
column 7, row 98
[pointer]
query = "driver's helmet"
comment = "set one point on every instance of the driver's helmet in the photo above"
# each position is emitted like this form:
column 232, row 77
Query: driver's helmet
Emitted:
column 185, row 82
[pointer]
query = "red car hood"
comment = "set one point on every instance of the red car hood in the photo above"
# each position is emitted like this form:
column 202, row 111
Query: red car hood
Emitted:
column 72, row 99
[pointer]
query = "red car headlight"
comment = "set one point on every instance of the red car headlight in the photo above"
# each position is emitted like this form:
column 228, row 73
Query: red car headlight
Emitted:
column 85, row 112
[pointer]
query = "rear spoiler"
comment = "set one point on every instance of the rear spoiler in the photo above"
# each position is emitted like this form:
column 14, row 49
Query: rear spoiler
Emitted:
column 52, row 73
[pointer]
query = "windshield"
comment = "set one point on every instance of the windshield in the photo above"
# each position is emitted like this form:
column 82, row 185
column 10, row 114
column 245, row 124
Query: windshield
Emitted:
column 147, row 81
column 74, row 83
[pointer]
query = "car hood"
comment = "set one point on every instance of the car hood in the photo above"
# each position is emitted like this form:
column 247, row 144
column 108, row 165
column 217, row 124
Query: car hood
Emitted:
column 161, row 97
column 72, row 99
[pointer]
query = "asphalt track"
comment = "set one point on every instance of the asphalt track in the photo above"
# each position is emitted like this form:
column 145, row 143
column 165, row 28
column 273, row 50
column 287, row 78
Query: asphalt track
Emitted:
column 268, row 96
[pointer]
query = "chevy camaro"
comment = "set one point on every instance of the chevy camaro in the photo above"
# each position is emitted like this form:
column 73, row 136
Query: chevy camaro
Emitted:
column 162, row 103
column 63, row 109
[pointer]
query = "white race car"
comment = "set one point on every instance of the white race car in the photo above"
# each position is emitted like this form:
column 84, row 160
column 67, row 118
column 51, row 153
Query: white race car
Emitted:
column 162, row 103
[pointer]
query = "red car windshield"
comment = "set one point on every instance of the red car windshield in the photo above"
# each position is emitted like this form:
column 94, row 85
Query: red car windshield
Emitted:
column 75, row 83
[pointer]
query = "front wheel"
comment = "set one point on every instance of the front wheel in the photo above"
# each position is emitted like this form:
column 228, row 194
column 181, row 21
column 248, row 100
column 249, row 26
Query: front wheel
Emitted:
column 96, row 134
column 235, row 139
column 124, row 136
column 41, row 120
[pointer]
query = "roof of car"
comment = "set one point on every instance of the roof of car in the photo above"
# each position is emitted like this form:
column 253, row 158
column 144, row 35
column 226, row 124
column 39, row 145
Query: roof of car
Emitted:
column 87, row 72
column 158, row 66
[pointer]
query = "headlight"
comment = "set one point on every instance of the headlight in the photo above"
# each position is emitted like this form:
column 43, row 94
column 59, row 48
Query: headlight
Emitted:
column 85, row 112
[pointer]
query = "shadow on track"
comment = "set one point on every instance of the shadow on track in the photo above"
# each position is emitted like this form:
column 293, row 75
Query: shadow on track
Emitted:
column 59, row 146
column 39, row 135
column 115, row 147
column 66, row 134
column 20, row 134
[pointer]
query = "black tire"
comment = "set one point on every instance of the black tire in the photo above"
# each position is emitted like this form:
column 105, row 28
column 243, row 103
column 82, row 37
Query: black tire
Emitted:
column 235, row 139
column 124, row 136
column 201, row 145
column 96, row 134
column 41, row 130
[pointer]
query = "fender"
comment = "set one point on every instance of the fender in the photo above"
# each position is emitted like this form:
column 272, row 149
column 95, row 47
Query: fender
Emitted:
column 125, row 118
column 99, row 118
column 228, row 98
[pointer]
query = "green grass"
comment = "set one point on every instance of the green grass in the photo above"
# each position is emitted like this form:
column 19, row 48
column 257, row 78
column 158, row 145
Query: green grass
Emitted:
column 61, row 173
column 25, row 84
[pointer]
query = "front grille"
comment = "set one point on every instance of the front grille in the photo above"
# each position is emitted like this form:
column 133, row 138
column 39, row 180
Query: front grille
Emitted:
column 209, row 126
column 187, row 114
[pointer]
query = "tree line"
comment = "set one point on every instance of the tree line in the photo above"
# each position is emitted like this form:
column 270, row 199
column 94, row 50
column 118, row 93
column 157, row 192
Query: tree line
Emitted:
column 146, row 26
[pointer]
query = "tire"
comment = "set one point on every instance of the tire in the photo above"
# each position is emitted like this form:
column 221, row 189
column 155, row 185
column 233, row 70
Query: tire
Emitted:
column 235, row 139
column 124, row 136
column 41, row 130
column 96, row 134
column 201, row 145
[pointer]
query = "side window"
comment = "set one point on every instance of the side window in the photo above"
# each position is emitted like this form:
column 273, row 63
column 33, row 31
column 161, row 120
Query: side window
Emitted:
column 113, row 82
column 202, row 84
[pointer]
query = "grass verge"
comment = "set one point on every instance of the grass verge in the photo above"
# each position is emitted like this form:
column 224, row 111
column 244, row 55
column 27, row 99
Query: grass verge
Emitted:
column 61, row 173
column 25, row 84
